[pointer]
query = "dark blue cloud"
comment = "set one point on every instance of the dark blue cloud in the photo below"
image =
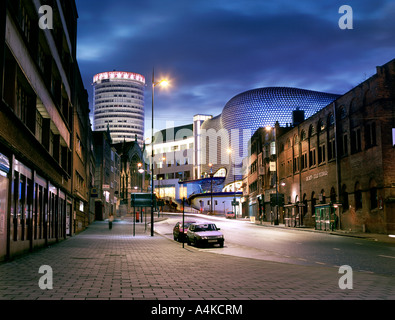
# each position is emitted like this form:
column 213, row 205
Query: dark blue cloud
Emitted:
column 214, row 49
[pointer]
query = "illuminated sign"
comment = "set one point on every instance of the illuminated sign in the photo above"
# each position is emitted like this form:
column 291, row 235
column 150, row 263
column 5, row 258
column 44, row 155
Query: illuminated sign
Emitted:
column 118, row 75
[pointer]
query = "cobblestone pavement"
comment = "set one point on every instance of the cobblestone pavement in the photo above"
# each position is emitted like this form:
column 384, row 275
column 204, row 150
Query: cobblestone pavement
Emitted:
column 113, row 265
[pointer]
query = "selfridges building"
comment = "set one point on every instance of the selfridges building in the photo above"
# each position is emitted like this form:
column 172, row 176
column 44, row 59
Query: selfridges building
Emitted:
column 224, row 138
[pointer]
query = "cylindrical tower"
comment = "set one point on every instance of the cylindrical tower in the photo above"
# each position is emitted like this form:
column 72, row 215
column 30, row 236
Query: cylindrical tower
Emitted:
column 119, row 105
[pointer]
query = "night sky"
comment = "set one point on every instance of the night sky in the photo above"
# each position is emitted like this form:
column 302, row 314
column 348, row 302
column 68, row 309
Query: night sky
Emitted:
column 212, row 50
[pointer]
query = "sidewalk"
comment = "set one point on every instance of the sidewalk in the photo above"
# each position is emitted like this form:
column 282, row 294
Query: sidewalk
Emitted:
column 103, row 264
column 371, row 236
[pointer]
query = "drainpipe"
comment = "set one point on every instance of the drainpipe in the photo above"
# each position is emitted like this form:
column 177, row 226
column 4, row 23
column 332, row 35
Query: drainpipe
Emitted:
column 338, row 176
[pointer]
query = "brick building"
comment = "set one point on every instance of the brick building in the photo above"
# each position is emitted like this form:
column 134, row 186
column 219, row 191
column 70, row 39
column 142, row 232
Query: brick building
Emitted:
column 342, row 157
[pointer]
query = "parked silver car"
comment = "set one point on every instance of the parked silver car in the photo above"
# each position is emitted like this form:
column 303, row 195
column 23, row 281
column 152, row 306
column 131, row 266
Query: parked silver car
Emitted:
column 204, row 234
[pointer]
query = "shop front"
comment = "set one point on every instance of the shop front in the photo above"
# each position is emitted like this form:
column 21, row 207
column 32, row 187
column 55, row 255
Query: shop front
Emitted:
column 4, row 185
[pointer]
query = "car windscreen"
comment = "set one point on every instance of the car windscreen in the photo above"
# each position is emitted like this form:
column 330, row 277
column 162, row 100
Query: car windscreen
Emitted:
column 205, row 227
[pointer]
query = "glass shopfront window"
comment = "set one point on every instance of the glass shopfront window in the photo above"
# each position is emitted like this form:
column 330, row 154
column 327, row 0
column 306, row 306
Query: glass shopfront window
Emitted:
column 22, row 202
column 4, row 169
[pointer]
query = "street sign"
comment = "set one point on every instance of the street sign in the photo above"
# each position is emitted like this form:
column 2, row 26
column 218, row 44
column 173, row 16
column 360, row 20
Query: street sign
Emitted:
column 142, row 200
column 235, row 203
column 94, row 193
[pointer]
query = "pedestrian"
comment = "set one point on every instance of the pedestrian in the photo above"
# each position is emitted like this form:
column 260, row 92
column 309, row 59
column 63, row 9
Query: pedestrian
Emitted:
column 110, row 220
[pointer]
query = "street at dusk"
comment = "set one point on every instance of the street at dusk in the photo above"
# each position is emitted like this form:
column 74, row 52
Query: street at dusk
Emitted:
column 197, row 159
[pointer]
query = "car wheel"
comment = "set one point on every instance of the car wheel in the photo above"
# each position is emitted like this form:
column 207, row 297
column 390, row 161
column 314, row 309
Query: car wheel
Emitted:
column 221, row 245
column 175, row 238
column 188, row 242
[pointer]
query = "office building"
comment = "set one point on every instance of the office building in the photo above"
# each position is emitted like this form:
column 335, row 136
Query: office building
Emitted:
column 119, row 105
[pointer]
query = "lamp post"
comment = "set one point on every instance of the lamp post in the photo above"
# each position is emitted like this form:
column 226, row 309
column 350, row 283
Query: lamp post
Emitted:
column 154, row 84
column 211, row 177
column 269, row 128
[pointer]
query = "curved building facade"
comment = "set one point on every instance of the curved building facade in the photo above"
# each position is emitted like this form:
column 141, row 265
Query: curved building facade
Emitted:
column 244, row 114
column 119, row 105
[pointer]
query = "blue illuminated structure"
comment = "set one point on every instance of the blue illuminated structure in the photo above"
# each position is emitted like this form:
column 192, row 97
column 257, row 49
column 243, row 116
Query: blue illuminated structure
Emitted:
column 263, row 107
column 250, row 110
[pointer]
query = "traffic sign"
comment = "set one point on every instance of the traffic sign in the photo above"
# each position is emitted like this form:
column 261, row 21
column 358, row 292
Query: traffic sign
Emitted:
column 142, row 200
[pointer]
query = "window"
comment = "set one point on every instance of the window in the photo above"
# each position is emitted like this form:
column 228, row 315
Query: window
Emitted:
column 303, row 135
column 321, row 154
column 24, row 22
column 344, row 145
column 343, row 112
column 370, row 135
column 331, row 120
column 321, row 125
column 296, row 164
column 312, row 158
column 51, row 143
column 373, row 198
column 22, row 103
column 39, row 127
column 78, row 147
column 356, row 140
column 303, row 162
column 311, row 131
column 331, row 149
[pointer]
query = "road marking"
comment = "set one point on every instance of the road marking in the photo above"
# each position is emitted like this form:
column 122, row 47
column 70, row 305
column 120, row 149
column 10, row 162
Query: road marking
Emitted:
column 383, row 256
column 336, row 249
column 320, row 263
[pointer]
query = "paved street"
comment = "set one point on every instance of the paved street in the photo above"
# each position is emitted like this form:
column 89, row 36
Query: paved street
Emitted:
column 113, row 265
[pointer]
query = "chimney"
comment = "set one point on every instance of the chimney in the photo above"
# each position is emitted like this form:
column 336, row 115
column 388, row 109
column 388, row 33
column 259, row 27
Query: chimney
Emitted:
column 297, row 117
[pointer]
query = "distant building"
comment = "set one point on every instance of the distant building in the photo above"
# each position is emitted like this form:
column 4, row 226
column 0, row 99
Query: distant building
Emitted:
column 119, row 105
column 107, row 173
column 173, row 160
column 83, row 168
column 133, row 173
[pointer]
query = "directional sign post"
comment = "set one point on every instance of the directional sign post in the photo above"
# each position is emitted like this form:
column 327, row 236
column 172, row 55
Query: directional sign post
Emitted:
column 143, row 200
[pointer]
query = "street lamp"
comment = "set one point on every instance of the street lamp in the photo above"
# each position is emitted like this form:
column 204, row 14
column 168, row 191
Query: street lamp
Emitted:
column 269, row 128
column 154, row 84
column 141, row 170
column 211, row 176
